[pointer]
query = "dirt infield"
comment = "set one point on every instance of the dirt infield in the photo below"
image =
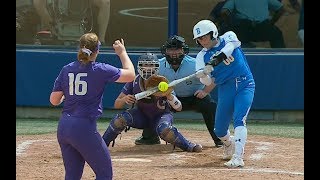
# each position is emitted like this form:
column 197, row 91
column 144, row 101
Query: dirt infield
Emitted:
column 38, row 157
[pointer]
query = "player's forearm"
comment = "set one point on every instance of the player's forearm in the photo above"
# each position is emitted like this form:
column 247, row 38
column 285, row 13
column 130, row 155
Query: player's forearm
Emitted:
column 209, row 88
column 127, row 70
column 119, row 103
column 56, row 98
column 126, row 62
column 174, row 102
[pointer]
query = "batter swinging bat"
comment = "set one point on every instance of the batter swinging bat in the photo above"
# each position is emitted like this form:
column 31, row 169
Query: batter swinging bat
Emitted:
column 149, row 92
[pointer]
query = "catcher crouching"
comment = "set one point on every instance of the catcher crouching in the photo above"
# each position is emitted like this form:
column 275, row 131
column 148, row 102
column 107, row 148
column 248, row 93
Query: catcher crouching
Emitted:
column 154, row 111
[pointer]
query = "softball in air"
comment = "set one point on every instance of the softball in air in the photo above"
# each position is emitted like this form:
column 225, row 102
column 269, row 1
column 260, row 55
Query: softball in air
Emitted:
column 163, row 86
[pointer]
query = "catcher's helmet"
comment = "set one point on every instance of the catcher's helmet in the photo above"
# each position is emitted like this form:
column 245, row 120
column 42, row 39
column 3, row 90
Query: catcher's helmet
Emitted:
column 148, row 65
column 204, row 27
column 176, row 42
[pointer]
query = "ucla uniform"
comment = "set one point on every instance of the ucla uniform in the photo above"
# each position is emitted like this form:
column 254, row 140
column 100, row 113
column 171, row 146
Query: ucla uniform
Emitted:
column 185, row 90
column 193, row 95
column 234, row 81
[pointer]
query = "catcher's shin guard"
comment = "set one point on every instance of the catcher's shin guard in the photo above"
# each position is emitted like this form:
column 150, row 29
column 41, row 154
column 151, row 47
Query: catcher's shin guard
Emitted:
column 116, row 126
column 171, row 134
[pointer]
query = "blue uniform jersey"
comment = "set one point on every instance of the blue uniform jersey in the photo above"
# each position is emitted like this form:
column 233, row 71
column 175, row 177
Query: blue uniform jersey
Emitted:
column 187, row 67
column 83, row 87
column 234, row 66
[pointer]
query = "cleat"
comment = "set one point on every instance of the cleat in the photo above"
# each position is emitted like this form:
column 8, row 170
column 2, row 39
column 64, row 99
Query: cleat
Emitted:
column 197, row 148
column 193, row 147
column 235, row 161
column 147, row 141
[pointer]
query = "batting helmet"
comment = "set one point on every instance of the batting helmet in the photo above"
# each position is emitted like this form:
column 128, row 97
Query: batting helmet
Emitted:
column 176, row 42
column 204, row 27
column 148, row 64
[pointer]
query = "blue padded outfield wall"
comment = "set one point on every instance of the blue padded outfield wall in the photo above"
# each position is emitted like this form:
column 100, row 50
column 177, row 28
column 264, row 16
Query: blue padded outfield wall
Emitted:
column 279, row 75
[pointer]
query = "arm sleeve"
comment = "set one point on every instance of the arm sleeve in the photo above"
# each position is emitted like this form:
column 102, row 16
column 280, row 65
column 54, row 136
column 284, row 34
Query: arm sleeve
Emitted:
column 200, row 61
column 232, row 42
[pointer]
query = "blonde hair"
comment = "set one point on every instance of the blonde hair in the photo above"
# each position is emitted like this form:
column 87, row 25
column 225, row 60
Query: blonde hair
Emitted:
column 89, row 44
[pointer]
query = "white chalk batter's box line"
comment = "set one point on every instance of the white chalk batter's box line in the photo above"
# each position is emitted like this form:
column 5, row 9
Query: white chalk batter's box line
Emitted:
column 24, row 145
column 21, row 148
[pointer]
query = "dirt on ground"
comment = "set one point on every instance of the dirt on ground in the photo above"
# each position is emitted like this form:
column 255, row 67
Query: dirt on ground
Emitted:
column 39, row 157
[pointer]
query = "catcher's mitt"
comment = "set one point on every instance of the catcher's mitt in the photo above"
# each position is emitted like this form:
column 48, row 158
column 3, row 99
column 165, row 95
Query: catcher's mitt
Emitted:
column 153, row 81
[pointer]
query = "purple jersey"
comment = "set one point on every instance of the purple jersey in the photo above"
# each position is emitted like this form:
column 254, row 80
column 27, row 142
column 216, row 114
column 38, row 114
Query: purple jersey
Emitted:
column 83, row 87
column 155, row 105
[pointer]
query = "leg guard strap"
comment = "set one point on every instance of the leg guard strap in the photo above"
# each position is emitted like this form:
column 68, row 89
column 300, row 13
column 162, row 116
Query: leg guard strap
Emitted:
column 116, row 126
column 171, row 134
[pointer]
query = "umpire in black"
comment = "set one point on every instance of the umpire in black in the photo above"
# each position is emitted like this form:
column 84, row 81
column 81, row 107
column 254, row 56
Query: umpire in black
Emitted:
column 193, row 95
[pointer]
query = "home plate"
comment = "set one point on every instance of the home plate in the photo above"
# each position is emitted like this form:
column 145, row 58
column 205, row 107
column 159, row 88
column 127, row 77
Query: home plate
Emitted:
column 132, row 160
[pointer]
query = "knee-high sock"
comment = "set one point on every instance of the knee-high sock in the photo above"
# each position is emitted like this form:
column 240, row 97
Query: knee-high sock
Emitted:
column 240, row 136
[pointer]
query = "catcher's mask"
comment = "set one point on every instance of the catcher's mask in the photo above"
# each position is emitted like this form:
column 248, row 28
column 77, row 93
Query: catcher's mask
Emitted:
column 148, row 65
column 174, row 49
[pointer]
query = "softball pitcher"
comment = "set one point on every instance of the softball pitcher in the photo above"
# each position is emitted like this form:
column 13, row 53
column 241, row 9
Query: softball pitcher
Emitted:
column 235, row 84
column 81, row 85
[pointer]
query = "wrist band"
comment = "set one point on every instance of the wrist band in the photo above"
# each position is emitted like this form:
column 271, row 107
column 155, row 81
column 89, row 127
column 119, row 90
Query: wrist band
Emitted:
column 175, row 103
